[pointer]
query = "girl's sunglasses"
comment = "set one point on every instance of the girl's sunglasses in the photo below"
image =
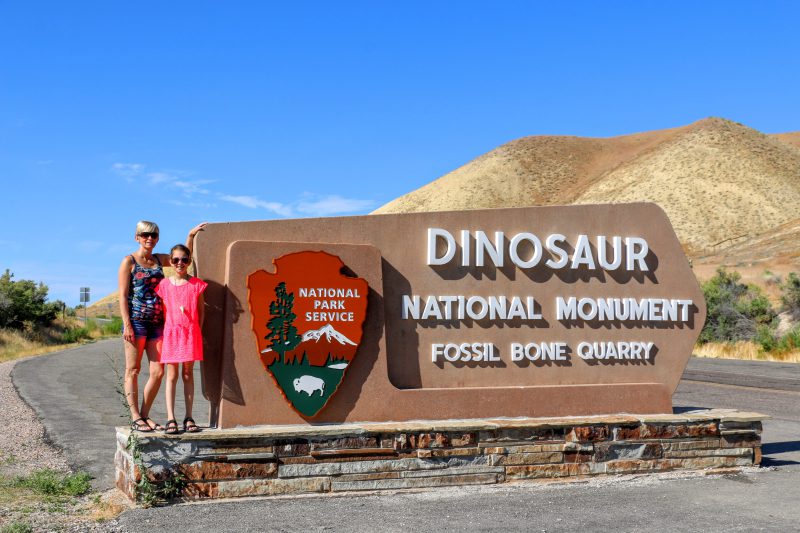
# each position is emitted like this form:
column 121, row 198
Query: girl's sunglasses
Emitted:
column 148, row 235
column 176, row 260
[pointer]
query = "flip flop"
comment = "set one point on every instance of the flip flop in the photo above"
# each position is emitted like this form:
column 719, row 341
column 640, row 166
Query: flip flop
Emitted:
column 189, row 425
column 158, row 427
column 141, row 425
column 172, row 427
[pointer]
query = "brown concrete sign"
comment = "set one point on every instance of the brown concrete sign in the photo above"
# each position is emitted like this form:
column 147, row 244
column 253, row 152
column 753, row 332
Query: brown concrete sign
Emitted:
column 542, row 311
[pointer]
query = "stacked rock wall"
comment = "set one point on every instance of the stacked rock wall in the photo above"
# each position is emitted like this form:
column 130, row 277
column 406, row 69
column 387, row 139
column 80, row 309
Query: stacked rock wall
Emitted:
column 386, row 456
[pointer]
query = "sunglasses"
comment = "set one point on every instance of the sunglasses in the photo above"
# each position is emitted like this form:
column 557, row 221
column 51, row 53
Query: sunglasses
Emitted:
column 148, row 235
column 176, row 260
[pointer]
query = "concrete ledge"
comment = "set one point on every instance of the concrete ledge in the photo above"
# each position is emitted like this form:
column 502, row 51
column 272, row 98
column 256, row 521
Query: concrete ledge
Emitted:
column 271, row 460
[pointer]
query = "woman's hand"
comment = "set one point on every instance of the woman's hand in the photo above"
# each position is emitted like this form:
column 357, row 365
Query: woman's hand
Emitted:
column 198, row 228
column 127, row 333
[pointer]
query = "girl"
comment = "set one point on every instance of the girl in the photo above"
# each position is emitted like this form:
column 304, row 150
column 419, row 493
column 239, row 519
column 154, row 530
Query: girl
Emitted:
column 183, row 341
column 143, row 319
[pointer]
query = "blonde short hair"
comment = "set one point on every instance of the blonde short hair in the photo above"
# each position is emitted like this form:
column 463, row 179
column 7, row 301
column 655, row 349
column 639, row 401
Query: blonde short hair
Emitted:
column 145, row 226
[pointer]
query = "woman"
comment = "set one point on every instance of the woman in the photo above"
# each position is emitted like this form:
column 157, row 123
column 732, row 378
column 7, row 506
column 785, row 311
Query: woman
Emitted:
column 143, row 319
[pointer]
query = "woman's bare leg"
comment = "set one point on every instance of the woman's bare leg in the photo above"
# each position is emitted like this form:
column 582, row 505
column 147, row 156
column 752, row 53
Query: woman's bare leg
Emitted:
column 153, row 348
column 133, row 364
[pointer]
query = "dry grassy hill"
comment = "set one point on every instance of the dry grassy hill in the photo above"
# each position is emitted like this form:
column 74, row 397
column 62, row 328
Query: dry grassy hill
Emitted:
column 106, row 306
column 539, row 170
column 792, row 137
column 718, row 181
column 763, row 259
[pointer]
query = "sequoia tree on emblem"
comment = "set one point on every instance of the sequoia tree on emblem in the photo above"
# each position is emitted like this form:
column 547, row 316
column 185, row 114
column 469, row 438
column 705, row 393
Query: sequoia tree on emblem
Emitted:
column 308, row 320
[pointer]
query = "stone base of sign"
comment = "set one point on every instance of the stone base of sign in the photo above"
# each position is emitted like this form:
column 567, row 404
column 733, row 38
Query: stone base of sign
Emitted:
column 276, row 460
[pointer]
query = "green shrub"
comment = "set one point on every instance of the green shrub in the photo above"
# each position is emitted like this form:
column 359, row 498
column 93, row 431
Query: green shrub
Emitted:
column 51, row 483
column 25, row 301
column 736, row 311
column 114, row 327
column 71, row 335
column 765, row 337
column 790, row 341
column 17, row 527
column 77, row 484
column 790, row 294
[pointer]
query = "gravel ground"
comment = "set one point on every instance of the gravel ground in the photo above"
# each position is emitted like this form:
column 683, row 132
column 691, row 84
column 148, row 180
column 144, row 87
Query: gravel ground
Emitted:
column 24, row 448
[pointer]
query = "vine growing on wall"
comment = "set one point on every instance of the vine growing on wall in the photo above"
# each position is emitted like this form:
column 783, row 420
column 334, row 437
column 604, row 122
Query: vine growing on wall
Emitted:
column 147, row 492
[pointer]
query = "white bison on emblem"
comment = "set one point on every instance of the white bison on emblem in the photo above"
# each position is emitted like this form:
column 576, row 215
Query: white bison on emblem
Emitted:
column 309, row 385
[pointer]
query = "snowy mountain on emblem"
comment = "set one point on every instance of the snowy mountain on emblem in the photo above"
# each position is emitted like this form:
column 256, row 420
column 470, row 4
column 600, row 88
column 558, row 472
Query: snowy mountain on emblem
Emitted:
column 329, row 332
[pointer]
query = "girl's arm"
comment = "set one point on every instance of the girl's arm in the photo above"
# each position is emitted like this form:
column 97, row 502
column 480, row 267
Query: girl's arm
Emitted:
column 123, row 279
column 201, row 309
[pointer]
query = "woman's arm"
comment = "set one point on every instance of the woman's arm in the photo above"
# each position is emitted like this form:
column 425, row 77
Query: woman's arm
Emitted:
column 123, row 279
column 190, row 238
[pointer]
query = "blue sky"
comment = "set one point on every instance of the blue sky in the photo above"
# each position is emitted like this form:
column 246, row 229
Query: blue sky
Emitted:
column 178, row 112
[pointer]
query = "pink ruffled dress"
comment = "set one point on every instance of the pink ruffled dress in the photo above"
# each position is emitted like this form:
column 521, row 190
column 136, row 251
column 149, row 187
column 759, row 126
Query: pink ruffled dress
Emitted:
column 183, row 340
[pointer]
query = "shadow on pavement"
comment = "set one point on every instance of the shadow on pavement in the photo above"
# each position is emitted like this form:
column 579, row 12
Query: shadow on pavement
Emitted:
column 775, row 448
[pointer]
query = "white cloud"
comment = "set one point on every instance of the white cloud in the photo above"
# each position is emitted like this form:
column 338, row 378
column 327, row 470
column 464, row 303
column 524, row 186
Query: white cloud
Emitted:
column 173, row 179
column 333, row 205
column 127, row 170
column 192, row 187
column 179, row 181
column 253, row 202
column 181, row 203
column 309, row 205
column 160, row 177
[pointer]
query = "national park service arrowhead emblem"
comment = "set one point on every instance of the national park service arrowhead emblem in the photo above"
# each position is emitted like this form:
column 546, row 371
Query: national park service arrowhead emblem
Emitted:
column 308, row 320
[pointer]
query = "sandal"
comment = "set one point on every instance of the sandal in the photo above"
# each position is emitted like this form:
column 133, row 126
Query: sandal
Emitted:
column 141, row 425
column 157, row 427
column 189, row 425
column 172, row 427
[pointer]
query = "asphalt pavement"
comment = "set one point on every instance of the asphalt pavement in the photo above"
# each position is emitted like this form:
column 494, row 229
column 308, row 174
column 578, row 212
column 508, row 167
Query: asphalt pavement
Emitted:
column 76, row 394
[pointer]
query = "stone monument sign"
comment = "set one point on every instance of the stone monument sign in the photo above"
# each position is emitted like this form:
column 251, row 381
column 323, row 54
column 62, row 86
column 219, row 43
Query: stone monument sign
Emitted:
column 541, row 311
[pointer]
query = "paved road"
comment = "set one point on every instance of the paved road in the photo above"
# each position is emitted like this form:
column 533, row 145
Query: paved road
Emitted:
column 754, row 374
column 75, row 393
column 763, row 387
column 765, row 501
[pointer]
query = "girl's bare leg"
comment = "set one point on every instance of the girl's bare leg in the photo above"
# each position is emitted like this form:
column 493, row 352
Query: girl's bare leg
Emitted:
column 172, row 381
column 188, row 386
column 153, row 348
column 133, row 364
